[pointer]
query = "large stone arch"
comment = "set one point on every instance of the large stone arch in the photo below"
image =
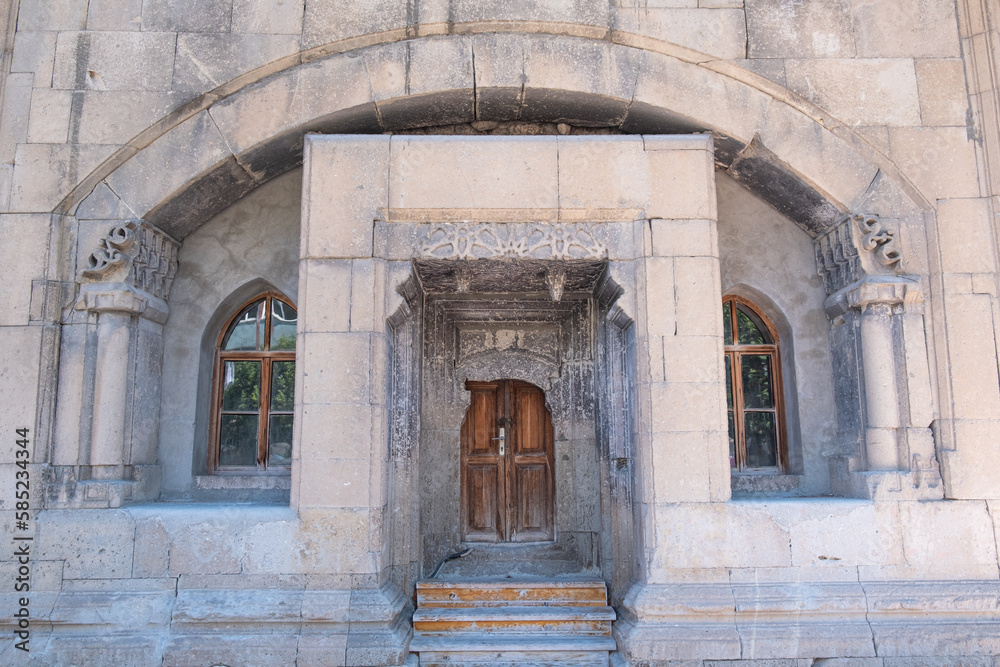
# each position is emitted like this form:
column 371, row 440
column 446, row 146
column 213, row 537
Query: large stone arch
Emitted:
column 209, row 153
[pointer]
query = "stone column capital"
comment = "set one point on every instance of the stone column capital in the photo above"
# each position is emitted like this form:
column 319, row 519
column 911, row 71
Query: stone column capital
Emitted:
column 874, row 292
column 122, row 298
column 870, row 293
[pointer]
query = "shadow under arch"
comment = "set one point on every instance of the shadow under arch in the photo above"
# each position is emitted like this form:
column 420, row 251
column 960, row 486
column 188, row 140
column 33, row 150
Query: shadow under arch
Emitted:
column 226, row 143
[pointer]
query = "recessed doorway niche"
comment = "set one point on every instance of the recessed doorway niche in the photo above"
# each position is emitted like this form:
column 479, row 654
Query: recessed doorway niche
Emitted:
column 510, row 329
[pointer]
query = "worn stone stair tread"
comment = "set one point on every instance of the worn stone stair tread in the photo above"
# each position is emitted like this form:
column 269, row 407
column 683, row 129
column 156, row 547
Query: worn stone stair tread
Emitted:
column 518, row 613
column 506, row 592
column 515, row 659
column 498, row 642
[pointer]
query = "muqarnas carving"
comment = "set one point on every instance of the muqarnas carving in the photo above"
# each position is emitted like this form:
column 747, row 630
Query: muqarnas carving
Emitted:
column 857, row 246
column 137, row 253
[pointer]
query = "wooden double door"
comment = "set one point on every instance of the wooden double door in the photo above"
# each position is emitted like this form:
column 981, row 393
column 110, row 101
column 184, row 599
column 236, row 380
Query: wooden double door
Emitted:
column 508, row 482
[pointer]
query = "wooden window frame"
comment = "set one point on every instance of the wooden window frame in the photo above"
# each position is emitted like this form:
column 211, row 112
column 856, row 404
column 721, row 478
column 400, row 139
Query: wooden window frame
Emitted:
column 267, row 359
column 735, row 353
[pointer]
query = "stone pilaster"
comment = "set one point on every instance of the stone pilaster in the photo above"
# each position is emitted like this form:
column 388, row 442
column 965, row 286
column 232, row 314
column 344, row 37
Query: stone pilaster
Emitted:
column 123, row 294
column 873, row 309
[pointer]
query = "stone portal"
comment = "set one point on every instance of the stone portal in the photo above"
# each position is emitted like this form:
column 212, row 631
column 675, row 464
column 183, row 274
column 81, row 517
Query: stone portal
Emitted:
column 570, row 264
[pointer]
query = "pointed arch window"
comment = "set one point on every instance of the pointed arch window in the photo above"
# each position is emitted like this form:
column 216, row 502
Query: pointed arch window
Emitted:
column 254, row 389
column 757, row 440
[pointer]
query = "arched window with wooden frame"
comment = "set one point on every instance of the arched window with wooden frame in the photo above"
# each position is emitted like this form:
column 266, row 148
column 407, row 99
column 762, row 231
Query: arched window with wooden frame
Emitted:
column 754, row 398
column 253, row 390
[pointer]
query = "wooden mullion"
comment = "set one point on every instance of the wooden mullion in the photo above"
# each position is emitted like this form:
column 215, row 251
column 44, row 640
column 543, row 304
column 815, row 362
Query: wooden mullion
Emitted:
column 265, row 403
column 741, row 444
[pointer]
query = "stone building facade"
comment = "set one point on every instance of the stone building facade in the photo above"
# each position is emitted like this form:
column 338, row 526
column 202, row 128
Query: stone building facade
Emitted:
column 261, row 255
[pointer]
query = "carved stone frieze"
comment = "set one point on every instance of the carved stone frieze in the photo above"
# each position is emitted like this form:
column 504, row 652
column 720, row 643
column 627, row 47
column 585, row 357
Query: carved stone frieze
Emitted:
column 136, row 253
column 515, row 241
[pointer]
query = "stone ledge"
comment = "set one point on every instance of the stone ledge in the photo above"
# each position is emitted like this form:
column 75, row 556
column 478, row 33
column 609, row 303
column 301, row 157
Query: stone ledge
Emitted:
column 748, row 486
column 223, row 482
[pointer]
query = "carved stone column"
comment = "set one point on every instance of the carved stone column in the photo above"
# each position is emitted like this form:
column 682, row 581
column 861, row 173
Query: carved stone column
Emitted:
column 880, row 401
column 123, row 292
column 874, row 302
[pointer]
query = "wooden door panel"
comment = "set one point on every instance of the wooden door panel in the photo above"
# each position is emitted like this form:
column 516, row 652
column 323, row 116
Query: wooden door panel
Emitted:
column 532, row 520
column 482, row 419
column 508, row 493
column 482, row 484
column 529, row 420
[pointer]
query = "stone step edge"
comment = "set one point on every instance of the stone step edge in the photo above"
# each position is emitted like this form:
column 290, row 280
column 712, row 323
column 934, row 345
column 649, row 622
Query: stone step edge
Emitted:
column 514, row 613
column 509, row 583
column 491, row 642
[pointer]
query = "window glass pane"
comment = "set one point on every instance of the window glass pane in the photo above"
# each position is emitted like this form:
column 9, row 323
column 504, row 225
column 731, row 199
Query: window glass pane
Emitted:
column 247, row 330
column 279, row 436
column 727, row 322
column 732, row 440
column 283, row 320
column 241, row 386
column 757, row 392
column 238, row 440
column 750, row 329
column 761, row 436
column 282, row 386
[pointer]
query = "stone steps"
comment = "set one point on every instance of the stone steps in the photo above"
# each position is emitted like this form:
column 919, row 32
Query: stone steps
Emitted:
column 505, row 622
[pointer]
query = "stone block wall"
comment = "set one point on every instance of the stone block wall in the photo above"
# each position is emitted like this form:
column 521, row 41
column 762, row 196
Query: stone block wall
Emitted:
column 173, row 113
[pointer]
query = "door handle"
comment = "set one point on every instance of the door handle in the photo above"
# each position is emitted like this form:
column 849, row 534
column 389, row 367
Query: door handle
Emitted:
column 501, row 439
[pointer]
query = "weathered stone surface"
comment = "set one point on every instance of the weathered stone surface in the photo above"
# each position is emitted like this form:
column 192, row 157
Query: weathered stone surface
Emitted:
column 204, row 61
column 18, row 388
column 341, row 226
column 94, row 544
column 14, row 124
column 867, row 92
column 963, row 223
column 34, row 52
column 187, row 15
column 252, row 650
column 719, row 30
column 49, row 119
column 928, row 29
column 934, row 529
column 114, row 15
column 938, row 160
column 942, row 96
column 26, row 240
column 151, row 177
column 52, row 15
column 114, row 61
column 326, row 290
column 532, row 184
column 114, row 117
column 269, row 17
column 778, row 29
column 329, row 21
column 44, row 173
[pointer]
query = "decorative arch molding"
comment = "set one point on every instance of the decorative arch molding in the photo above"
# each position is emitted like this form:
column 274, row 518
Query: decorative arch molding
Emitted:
column 209, row 153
